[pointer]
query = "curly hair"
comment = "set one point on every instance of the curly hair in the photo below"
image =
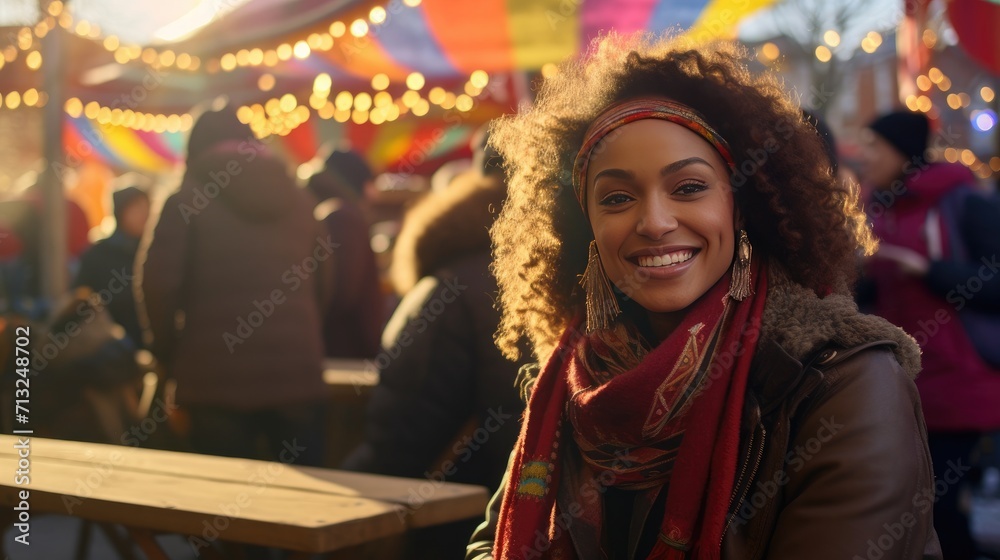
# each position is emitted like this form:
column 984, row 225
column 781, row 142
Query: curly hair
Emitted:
column 795, row 212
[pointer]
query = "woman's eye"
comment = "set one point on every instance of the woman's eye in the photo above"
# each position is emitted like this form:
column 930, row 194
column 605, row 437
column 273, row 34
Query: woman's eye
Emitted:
column 691, row 188
column 615, row 199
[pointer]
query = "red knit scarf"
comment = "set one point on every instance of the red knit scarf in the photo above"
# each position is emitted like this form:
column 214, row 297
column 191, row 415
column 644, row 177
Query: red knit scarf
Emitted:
column 671, row 416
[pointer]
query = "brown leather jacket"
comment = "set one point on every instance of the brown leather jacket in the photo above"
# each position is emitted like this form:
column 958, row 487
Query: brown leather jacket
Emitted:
column 834, row 462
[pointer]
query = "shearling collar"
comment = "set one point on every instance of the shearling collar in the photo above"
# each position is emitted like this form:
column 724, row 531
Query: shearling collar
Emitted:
column 797, row 325
column 801, row 322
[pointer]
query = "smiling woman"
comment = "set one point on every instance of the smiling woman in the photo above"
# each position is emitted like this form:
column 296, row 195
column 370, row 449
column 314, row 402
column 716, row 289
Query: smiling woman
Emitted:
column 668, row 221
column 681, row 259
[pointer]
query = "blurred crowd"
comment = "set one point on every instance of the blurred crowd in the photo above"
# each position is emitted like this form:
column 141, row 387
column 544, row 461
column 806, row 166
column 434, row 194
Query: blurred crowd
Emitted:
column 216, row 306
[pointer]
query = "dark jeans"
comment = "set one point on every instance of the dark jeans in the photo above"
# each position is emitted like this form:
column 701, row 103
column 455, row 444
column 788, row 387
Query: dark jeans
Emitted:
column 951, row 453
column 290, row 434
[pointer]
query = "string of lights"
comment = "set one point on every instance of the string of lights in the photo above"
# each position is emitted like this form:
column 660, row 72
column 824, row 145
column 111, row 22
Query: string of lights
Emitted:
column 28, row 98
column 259, row 57
column 255, row 57
column 281, row 115
column 981, row 119
column 769, row 53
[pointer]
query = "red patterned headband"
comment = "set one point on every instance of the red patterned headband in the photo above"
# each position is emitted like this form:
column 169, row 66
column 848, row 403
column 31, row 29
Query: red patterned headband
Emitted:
column 636, row 109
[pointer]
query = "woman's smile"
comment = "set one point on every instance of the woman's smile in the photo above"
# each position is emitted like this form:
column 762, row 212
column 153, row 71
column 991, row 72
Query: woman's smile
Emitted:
column 669, row 258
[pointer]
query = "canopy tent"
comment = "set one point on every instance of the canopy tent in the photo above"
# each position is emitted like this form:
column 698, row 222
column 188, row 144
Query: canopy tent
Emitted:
column 449, row 39
column 390, row 147
column 443, row 41
column 292, row 66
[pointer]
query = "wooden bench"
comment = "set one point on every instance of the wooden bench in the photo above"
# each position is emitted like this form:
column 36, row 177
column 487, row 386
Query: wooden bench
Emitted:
column 304, row 509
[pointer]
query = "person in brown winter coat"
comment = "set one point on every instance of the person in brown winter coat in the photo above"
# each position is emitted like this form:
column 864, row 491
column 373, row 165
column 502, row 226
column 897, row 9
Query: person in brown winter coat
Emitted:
column 230, row 286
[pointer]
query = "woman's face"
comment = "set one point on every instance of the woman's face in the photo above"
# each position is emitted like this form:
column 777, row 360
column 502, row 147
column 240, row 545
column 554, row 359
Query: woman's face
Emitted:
column 662, row 211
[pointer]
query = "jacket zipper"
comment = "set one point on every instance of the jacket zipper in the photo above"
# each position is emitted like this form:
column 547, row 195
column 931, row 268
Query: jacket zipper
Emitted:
column 746, row 489
column 804, row 392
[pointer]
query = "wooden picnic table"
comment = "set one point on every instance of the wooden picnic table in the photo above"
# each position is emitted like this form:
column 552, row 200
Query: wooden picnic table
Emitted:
column 304, row 509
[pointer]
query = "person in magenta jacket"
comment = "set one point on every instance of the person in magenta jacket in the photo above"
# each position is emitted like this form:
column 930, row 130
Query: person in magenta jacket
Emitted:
column 922, row 294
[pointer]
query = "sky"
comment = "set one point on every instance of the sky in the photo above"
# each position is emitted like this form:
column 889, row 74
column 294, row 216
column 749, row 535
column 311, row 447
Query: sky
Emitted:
column 877, row 15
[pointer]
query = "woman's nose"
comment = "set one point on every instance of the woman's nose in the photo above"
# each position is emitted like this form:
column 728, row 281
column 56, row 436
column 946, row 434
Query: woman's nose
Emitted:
column 656, row 219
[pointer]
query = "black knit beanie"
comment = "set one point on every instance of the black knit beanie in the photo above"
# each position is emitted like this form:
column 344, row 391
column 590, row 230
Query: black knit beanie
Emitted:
column 907, row 132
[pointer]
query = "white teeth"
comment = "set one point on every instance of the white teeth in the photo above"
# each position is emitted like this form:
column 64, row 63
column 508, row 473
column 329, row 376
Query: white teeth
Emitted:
column 666, row 260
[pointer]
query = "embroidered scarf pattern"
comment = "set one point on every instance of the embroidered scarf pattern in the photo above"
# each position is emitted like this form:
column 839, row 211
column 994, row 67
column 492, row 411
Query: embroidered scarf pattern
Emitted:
column 640, row 419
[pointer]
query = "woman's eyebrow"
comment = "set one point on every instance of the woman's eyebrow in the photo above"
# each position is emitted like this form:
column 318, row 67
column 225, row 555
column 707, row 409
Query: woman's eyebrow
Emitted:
column 615, row 173
column 682, row 163
column 667, row 169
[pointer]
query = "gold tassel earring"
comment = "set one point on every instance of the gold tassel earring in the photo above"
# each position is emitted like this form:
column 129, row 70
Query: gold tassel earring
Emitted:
column 740, row 287
column 602, row 305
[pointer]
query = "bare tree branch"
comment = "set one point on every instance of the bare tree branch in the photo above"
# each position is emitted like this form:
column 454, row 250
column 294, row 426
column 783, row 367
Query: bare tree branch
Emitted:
column 804, row 23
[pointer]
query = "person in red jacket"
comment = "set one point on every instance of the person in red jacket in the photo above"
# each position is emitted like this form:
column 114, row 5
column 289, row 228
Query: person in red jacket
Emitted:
column 960, row 392
column 21, row 222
